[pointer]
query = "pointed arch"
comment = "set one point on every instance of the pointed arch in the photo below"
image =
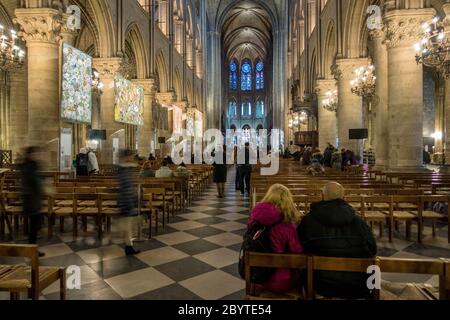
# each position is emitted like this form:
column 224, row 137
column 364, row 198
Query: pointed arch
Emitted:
column 161, row 71
column 135, row 40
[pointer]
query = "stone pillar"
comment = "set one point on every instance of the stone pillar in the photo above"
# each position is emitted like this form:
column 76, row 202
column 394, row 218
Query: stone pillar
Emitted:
column 145, row 132
column 447, row 121
column 405, row 80
column 350, row 106
column 327, row 119
column 108, row 68
column 19, row 110
column 380, row 102
column 41, row 28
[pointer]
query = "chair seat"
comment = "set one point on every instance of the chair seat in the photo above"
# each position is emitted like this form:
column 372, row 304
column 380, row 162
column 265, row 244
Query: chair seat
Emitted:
column 405, row 215
column 111, row 211
column 109, row 203
column 266, row 295
column 88, row 203
column 375, row 215
column 87, row 211
column 381, row 206
column 12, row 210
column 64, row 203
column 405, row 206
column 433, row 215
column 63, row 212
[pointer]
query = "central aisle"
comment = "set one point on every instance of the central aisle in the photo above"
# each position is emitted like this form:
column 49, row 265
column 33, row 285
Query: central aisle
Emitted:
column 196, row 257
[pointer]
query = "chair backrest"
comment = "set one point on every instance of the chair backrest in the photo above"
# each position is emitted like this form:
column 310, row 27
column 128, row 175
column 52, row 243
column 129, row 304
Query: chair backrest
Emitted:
column 253, row 259
column 339, row 265
column 26, row 251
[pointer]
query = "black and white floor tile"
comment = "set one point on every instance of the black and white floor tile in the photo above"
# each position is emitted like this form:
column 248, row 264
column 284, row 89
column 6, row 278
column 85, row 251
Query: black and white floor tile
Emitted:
column 194, row 257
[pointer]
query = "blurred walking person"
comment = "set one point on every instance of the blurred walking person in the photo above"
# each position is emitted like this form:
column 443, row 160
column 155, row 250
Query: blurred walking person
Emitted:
column 32, row 193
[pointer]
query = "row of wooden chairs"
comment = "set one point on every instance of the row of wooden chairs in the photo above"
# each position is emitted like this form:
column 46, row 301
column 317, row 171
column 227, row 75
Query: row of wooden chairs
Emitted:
column 311, row 264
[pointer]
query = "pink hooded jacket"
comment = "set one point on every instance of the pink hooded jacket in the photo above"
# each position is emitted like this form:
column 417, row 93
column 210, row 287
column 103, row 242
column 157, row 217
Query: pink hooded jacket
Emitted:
column 284, row 240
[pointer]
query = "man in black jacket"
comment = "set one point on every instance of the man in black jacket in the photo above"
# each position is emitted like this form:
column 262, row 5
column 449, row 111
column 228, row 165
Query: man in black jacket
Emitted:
column 333, row 229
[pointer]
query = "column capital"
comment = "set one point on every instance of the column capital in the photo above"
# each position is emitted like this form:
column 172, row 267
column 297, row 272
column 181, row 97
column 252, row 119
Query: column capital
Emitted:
column 109, row 67
column 376, row 34
column 68, row 35
column 404, row 27
column 184, row 105
column 166, row 97
column 148, row 84
column 344, row 69
column 39, row 25
column 325, row 85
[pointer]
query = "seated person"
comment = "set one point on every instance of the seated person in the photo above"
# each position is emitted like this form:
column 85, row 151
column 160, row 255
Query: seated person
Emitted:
column 333, row 229
column 164, row 171
column 151, row 157
column 147, row 170
column 277, row 209
column 316, row 168
column 182, row 171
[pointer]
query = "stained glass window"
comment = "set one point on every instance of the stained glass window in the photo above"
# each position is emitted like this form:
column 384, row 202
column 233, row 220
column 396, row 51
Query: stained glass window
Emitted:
column 260, row 109
column 233, row 76
column 246, row 109
column 232, row 111
column 259, row 75
column 246, row 76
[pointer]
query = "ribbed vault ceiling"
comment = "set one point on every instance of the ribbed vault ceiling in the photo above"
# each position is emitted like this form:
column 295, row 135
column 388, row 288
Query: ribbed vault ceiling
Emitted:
column 247, row 32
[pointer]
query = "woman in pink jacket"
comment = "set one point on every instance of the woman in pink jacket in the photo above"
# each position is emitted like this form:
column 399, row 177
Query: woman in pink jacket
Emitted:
column 277, row 209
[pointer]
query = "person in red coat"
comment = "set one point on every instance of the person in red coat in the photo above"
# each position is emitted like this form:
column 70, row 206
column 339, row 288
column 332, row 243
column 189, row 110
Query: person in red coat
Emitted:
column 277, row 209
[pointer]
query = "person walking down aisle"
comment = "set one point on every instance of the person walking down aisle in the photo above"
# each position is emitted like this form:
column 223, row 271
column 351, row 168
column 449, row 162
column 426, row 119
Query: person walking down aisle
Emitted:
column 245, row 172
column 220, row 173
column 127, row 199
column 32, row 192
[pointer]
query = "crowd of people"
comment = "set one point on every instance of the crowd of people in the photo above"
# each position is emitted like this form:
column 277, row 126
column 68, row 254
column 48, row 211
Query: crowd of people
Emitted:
column 332, row 228
column 316, row 161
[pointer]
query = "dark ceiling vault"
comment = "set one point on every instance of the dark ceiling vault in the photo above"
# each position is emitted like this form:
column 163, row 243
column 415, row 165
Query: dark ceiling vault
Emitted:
column 247, row 32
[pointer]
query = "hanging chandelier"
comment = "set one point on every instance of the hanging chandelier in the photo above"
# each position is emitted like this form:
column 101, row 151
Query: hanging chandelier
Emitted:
column 364, row 84
column 331, row 101
column 434, row 49
column 97, row 84
column 12, row 56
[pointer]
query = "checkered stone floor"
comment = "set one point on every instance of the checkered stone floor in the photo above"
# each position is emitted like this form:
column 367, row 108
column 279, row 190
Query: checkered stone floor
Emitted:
column 195, row 257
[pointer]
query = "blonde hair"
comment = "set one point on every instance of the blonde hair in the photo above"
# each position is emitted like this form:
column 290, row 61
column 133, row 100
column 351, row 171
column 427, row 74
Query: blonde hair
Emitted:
column 281, row 197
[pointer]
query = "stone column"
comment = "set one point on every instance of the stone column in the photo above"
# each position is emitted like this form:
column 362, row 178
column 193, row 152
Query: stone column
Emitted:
column 405, row 80
column 350, row 106
column 108, row 68
column 41, row 28
column 380, row 102
column 447, row 121
column 19, row 110
column 327, row 119
column 145, row 132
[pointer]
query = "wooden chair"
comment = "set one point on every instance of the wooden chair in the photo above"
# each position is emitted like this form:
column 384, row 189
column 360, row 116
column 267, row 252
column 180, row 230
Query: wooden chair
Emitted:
column 371, row 212
column 426, row 214
column 32, row 280
column 86, row 205
column 108, row 208
column 254, row 260
column 406, row 209
column 338, row 265
column 150, row 211
column 437, row 267
column 61, row 206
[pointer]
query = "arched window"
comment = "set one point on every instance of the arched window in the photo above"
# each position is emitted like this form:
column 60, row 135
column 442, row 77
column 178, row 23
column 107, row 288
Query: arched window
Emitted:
column 246, row 109
column 233, row 76
column 260, row 75
column 260, row 109
column 232, row 109
column 246, row 76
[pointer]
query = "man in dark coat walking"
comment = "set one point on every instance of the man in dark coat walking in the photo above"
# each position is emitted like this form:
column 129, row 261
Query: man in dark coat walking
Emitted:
column 333, row 229
column 32, row 193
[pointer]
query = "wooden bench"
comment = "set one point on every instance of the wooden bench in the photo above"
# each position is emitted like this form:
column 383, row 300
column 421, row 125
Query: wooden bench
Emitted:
column 31, row 280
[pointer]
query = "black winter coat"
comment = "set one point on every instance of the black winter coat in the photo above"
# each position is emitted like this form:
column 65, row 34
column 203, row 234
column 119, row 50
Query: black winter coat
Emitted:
column 333, row 229
column 32, row 189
